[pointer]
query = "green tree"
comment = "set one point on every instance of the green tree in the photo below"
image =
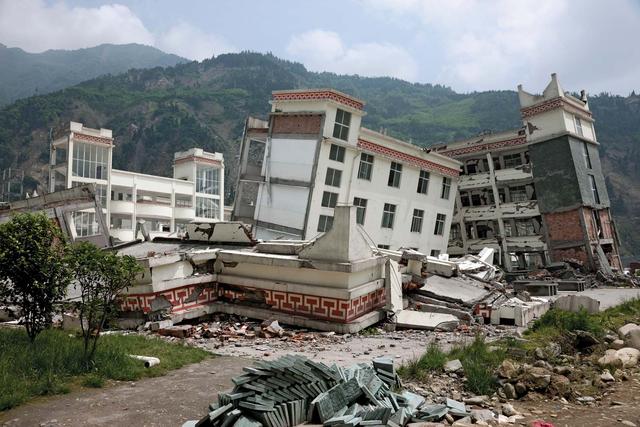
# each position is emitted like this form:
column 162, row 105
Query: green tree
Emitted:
column 101, row 276
column 34, row 273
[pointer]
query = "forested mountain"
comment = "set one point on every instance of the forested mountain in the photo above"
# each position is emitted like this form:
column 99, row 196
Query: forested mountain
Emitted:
column 155, row 112
column 24, row 74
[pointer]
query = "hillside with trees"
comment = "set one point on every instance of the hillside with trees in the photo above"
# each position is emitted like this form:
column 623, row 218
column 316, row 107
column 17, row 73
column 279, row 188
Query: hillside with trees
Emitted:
column 155, row 112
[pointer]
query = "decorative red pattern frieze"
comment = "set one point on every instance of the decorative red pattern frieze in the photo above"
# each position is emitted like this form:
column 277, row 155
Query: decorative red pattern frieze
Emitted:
column 198, row 159
column 549, row 105
column 485, row 147
column 317, row 307
column 406, row 158
column 177, row 298
column 91, row 138
column 318, row 95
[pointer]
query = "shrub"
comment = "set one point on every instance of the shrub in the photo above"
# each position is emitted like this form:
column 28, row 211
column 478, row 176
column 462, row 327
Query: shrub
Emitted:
column 567, row 321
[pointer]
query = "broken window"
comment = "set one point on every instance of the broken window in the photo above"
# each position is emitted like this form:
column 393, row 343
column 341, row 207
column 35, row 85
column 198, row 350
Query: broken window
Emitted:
column 366, row 166
column 508, row 229
column 597, row 223
column 496, row 163
column 446, row 188
column 336, row 153
column 85, row 224
column 594, row 189
column 465, row 198
column 383, row 246
column 512, row 160
column 333, row 177
column 578, row 123
column 439, row 228
column 341, row 128
column 423, row 182
column 207, row 180
column 416, row 221
column 324, row 223
column 361, row 209
column 395, row 172
column 585, row 153
column 525, row 227
column 518, row 194
column 472, row 167
column 454, row 233
column 207, row 208
column 435, row 253
column 329, row 199
column 476, row 200
column 388, row 215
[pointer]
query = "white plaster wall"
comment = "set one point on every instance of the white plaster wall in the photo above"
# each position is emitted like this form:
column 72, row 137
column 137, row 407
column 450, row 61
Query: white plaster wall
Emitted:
column 587, row 127
column 171, row 271
column 292, row 158
column 283, row 204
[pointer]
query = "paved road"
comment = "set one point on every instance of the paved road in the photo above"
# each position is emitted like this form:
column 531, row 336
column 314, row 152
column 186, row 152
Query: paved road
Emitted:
column 608, row 297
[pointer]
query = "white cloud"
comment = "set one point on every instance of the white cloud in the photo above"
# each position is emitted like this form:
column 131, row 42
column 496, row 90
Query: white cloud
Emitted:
column 36, row 26
column 322, row 50
column 497, row 44
column 191, row 42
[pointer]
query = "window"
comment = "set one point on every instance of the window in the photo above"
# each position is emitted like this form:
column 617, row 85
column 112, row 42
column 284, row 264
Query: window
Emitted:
column 361, row 210
column 594, row 189
column 85, row 224
column 341, row 128
column 329, row 199
column 416, row 221
column 394, row 174
column 388, row 215
column 585, row 152
column 383, row 246
column 512, row 160
column 207, row 180
column 508, row 229
column 518, row 194
column 446, row 188
column 366, row 166
column 207, row 208
column 423, row 182
column 578, row 126
column 324, row 223
column 89, row 160
column 454, row 232
column 435, row 253
column 333, row 177
column 439, row 229
column 336, row 153
column 525, row 227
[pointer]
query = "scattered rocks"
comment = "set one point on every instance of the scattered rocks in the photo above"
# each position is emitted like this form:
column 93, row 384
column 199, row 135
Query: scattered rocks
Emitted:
column 617, row 344
column 628, row 356
column 453, row 366
column 623, row 331
column 508, row 410
column 537, row 378
column 607, row 377
column 509, row 392
column 508, row 369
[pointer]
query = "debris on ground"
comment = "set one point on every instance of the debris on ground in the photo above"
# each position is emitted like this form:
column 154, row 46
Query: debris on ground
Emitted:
column 293, row 390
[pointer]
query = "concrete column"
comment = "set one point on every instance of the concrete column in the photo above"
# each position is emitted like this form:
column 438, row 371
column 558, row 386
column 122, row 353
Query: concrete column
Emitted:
column 172, row 223
column 460, row 220
column 506, row 260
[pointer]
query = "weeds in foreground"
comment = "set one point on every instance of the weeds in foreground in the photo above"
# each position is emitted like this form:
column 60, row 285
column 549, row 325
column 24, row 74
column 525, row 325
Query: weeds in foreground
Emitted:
column 432, row 360
column 54, row 361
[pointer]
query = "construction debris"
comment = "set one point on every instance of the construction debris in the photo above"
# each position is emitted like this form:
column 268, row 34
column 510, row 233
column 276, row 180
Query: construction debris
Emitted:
column 148, row 361
column 293, row 390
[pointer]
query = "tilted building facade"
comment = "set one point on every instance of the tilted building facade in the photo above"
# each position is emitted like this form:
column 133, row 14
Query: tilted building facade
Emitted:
column 312, row 154
column 536, row 194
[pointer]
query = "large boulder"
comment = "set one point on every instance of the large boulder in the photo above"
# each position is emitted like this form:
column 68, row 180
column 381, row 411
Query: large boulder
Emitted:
column 610, row 358
column 617, row 344
column 508, row 369
column 559, row 385
column 628, row 356
column 536, row 378
column 632, row 339
column 624, row 330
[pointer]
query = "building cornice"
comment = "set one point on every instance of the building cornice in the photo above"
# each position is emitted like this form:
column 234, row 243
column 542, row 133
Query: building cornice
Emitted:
column 197, row 159
column 318, row 94
column 407, row 158
column 521, row 140
column 92, row 138
column 554, row 104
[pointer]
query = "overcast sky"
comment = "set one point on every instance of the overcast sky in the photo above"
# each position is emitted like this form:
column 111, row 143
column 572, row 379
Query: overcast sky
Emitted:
column 466, row 44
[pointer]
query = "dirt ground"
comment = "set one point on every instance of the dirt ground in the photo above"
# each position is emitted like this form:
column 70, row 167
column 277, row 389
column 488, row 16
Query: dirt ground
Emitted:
column 170, row 400
column 185, row 394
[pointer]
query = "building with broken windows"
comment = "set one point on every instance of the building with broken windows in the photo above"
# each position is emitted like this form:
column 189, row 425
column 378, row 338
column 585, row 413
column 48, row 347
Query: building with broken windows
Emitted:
column 312, row 154
column 83, row 155
column 536, row 194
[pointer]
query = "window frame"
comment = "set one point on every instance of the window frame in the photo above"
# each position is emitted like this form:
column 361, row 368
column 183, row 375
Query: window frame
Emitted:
column 586, row 155
column 441, row 220
column 446, row 185
column 423, row 182
column 360, row 207
column 336, row 153
column 395, row 175
column 330, row 198
column 417, row 221
column 388, row 215
column 325, row 222
column 333, row 173
column 366, row 171
column 507, row 159
column 578, row 125
column 594, row 189
column 342, row 125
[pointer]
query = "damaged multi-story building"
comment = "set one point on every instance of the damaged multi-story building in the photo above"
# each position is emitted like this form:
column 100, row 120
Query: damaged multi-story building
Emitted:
column 536, row 194
column 82, row 155
column 312, row 154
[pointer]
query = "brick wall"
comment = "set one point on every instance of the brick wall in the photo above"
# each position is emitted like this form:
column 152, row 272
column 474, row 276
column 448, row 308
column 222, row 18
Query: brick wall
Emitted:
column 571, row 253
column 564, row 226
column 297, row 124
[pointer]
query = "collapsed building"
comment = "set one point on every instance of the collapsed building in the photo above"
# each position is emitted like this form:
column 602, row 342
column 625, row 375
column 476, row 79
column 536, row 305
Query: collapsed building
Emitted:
column 536, row 194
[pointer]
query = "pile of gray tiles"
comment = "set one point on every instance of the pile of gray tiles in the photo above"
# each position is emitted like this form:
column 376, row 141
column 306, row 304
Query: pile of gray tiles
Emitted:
column 293, row 390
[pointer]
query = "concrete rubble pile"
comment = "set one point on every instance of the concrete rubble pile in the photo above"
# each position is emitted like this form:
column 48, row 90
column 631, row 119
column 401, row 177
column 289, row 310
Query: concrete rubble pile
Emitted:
column 293, row 390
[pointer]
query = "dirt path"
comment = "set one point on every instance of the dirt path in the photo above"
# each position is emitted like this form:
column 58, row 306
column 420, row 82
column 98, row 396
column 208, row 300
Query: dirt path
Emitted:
column 163, row 401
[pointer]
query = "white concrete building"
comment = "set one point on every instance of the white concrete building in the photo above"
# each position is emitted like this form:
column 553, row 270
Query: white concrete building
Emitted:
column 313, row 154
column 195, row 193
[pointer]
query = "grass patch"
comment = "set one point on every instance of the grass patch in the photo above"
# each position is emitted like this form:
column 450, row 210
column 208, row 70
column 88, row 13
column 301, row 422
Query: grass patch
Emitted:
column 54, row 361
column 478, row 360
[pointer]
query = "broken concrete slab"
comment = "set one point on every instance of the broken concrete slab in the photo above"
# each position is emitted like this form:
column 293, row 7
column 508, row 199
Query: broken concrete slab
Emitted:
column 461, row 290
column 575, row 303
column 423, row 320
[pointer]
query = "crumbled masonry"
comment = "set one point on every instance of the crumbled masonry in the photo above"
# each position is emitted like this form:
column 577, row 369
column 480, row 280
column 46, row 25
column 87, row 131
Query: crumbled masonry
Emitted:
column 293, row 389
